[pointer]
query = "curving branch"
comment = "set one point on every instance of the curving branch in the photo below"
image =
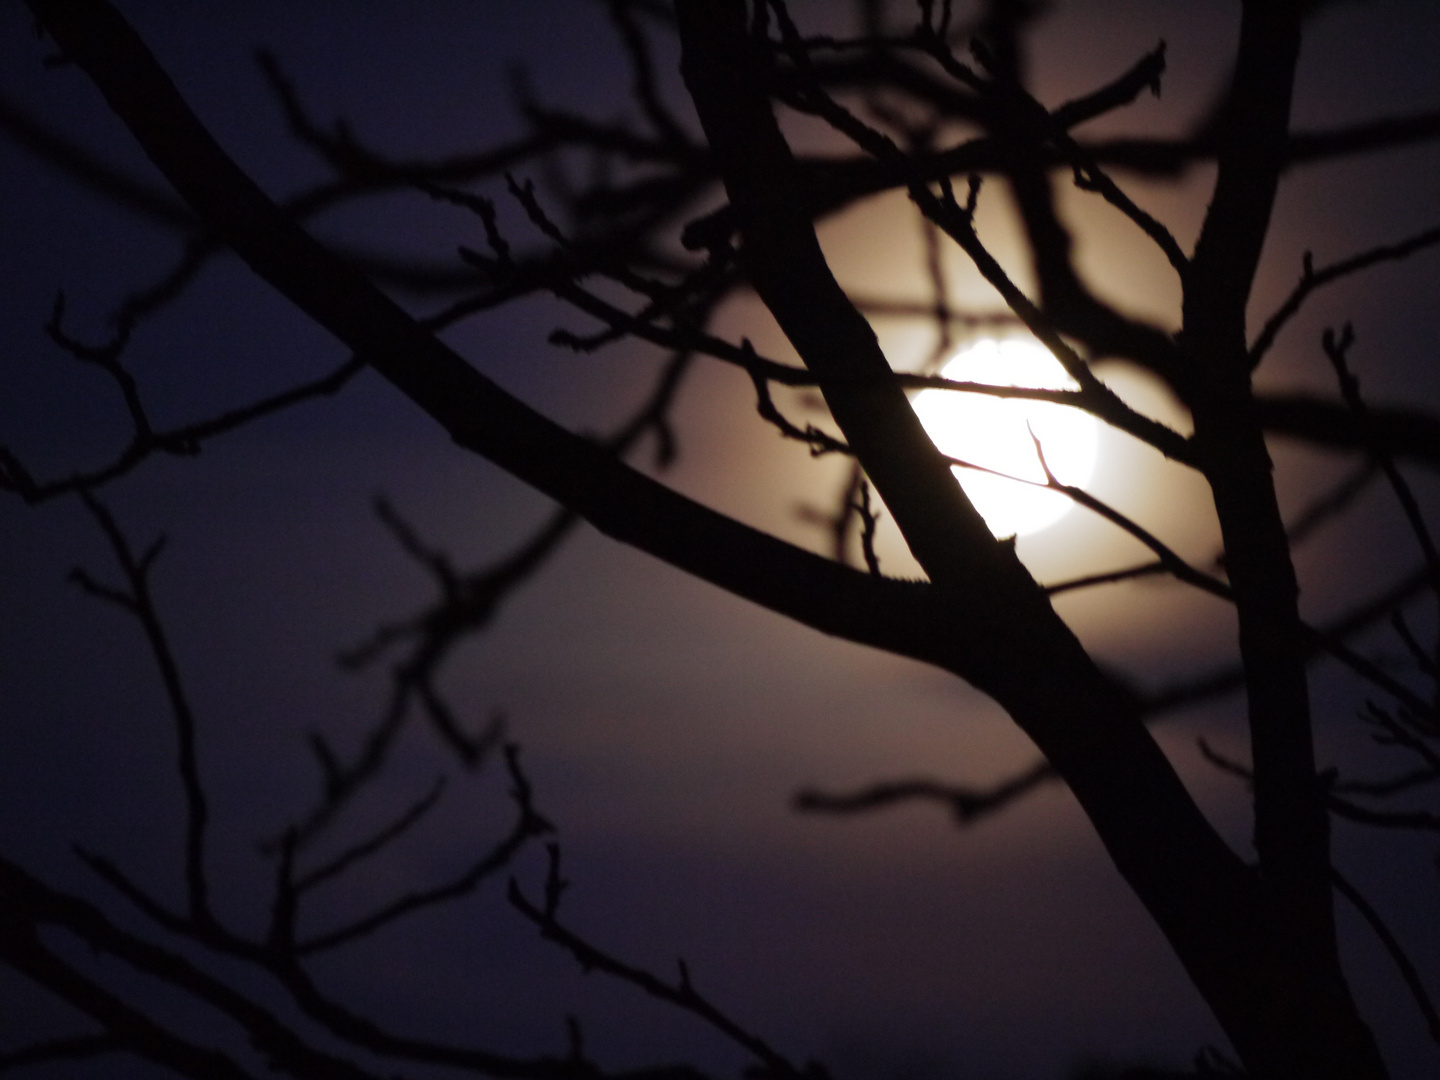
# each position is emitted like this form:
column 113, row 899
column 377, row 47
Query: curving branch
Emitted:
column 528, row 824
column 967, row 804
column 476, row 413
column 184, row 441
column 681, row 994
column 1397, row 953
column 1312, row 279
column 28, row 905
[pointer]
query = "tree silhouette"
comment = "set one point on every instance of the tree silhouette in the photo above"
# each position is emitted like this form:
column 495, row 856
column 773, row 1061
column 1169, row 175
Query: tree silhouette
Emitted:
column 913, row 100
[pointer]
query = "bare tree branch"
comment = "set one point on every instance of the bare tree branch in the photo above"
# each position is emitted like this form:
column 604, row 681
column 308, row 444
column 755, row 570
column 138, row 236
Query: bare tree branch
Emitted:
column 136, row 598
column 968, row 805
column 1392, row 945
column 681, row 994
column 1312, row 279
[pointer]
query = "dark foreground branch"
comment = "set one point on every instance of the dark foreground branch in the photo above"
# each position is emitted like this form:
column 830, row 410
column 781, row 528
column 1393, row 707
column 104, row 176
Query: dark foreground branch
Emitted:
column 476, row 413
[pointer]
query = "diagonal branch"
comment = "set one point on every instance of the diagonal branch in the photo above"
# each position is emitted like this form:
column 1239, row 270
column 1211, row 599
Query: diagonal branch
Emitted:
column 528, row 824
column 1312, row 279
column 1397, row 952
column 681, row 993
column 26, row 905
column 72, row 1049
column 1086, row 724
column 475, row 412
column 184, row 440
column 1336, row 350
column 783, row 260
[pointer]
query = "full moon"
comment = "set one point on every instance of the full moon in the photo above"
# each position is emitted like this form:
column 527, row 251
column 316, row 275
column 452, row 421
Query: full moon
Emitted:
column 995, row 433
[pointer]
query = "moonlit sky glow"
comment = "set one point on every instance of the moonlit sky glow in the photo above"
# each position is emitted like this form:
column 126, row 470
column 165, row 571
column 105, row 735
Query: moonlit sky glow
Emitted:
column 999, row 434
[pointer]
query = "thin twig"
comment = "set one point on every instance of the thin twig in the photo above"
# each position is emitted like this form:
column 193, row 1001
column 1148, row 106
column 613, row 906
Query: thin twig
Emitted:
column 1336, row 349
column 137, row 599
column 1111, row 577
column 1312, row 279
column 867, row 527
column 181, row 441
column 1392, row 945
column 528, row 824
column 681, row 993
column 382, row 838
column 967, row 804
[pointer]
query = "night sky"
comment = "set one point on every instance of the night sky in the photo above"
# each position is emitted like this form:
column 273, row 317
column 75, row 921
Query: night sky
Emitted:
column 665, row 725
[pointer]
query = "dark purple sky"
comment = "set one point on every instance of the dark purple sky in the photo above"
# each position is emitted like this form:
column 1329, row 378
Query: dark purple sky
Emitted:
column 665, row 725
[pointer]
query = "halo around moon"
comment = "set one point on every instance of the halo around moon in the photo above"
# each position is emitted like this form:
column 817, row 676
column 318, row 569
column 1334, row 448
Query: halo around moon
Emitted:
column 995, row 433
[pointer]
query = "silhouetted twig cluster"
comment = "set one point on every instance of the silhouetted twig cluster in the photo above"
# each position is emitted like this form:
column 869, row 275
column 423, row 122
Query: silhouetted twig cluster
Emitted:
column 624, row 231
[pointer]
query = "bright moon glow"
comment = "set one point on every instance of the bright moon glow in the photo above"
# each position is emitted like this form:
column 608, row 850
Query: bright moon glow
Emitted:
column 995, row 433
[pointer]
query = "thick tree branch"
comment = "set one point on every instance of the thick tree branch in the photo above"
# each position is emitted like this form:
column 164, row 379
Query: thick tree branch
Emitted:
column 1401, row 432
column 1086, row 727
column 1177, row 863
column 782, row 258
column 1291, row 826
column 475, row 412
